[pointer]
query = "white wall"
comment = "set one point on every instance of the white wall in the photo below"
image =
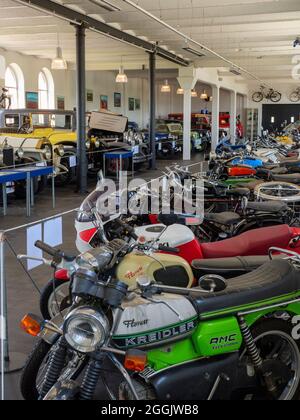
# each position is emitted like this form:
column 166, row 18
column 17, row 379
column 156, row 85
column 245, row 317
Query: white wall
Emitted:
column 103, row 83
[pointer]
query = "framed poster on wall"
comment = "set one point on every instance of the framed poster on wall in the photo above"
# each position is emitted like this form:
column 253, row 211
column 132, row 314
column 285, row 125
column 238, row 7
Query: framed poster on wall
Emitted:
column 137, row 104
column 117, row 100
column 61, row 103
column 32, row 100
column 89, row 96
column 131, row 104
column 104, row 102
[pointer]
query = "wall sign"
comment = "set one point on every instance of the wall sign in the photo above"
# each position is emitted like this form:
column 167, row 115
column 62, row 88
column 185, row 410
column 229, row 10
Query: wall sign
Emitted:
column 137, row 104
column 104, row 102
column 117, row 100
column 32, row 100
column 90, row 96
column 61, row 103
column 131, row 104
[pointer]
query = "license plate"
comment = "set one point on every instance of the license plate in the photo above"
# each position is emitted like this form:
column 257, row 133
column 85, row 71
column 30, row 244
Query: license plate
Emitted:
column 159, row 146
column 174, row 144
column 72, row 161
column 41, row 164
column 10, row 188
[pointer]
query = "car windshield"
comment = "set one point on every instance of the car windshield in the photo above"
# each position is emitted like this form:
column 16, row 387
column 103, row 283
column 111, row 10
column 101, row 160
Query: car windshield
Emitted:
column 162, row 128
column 175, row 127
column 12, row 121
column 55, row 121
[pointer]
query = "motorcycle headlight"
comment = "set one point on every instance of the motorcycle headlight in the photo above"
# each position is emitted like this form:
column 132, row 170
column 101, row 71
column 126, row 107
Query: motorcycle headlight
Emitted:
column 20, row 153
column 47, row 153
column 60, row 150
column 86, row 330
column 88, row 144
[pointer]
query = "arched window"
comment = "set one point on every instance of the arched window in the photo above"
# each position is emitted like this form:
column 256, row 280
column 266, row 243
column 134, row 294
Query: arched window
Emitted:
column 11, row 83
column 14, row 82
column 46, row 89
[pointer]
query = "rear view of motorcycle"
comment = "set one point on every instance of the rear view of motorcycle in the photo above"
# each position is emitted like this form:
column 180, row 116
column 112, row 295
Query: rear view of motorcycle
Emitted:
column 221, row 340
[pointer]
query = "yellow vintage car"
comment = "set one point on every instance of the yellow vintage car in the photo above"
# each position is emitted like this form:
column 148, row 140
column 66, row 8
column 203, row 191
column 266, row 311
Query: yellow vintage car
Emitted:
column 43, row 137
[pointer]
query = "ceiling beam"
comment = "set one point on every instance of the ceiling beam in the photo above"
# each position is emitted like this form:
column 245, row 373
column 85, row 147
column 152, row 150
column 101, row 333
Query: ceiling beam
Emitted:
column 95, row 25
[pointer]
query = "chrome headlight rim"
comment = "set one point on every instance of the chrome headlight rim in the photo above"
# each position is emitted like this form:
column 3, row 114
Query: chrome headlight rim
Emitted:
column 99, row 329
column 20, row 153
column 60, row 150
column 47, row 152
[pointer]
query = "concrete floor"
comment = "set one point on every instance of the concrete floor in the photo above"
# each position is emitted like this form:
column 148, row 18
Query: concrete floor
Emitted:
column 22, row 295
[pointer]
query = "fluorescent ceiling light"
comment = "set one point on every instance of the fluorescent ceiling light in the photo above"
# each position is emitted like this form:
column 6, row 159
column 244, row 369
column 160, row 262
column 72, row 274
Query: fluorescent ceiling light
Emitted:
column 121, row 77
column 105, row 4
column 58, row 63
column 166, row 88
column 193, row 51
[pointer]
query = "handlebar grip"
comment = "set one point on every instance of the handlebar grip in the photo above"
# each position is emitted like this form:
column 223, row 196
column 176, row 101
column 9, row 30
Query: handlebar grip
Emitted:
column 164, row 248
column 47, row 248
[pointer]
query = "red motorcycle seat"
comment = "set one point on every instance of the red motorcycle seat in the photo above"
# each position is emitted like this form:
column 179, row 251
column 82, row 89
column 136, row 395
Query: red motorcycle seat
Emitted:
column 254, row 242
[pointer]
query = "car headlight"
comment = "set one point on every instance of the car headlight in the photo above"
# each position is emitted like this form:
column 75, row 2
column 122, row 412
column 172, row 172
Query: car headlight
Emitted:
column 86, row 330
column 47, row 153
column 88, row 144
column 97, row 143
column 60, row 150
column 20, row 153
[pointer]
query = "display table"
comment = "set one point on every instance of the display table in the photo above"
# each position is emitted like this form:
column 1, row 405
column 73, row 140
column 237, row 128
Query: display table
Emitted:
column 119, row 156
column 26, row 173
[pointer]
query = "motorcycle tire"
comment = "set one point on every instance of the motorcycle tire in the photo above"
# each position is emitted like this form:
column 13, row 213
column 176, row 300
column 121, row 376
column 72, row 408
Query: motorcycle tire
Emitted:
column 47, row 296
column 257, row 97
column 276, row 97
column 293, row 188
column 294, row 97
column 30, row 371
column 144, row 391
column 284, row 328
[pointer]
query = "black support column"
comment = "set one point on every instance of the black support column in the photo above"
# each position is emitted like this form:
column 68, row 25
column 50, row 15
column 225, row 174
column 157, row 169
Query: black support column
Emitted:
column 152, row 99
column 81, row 110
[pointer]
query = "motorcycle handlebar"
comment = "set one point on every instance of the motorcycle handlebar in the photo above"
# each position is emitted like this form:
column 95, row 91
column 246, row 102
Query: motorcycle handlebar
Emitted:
column 47, row 249
column 55, row 253
column 164, row 248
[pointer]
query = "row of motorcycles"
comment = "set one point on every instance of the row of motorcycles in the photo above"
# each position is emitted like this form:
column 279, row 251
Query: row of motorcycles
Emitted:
column 174, row 307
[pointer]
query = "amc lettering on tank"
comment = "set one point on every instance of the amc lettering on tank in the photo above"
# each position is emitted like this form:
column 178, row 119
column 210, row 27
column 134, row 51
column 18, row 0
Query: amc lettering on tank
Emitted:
column 155, row 336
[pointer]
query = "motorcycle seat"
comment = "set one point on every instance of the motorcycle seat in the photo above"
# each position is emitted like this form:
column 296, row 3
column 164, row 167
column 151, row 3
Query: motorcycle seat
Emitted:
column 253, row 242
column 245, row 192
column 293, row 178
column 268, row 206
column 226, row 218
column 272, row 280
column 227, row 267
column 279, row 171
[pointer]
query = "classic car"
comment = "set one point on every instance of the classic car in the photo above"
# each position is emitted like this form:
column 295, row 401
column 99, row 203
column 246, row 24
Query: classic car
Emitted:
column 43, row 137
column 112, row 132
column 166, row 143
column 176, row 130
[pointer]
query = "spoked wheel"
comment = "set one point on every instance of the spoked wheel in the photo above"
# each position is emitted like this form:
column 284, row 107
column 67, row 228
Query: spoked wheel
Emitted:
column 54, row 298
column 294, row 97
column 279, row 191
column 276, row 96
column 258, row 97
column 281, row 361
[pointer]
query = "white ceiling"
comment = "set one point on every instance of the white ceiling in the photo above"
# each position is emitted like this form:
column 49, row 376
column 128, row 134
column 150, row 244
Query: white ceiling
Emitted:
column 255, row 34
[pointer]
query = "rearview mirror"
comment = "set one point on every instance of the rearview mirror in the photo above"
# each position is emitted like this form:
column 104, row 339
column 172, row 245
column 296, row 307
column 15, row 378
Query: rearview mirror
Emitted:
column 213, row 283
